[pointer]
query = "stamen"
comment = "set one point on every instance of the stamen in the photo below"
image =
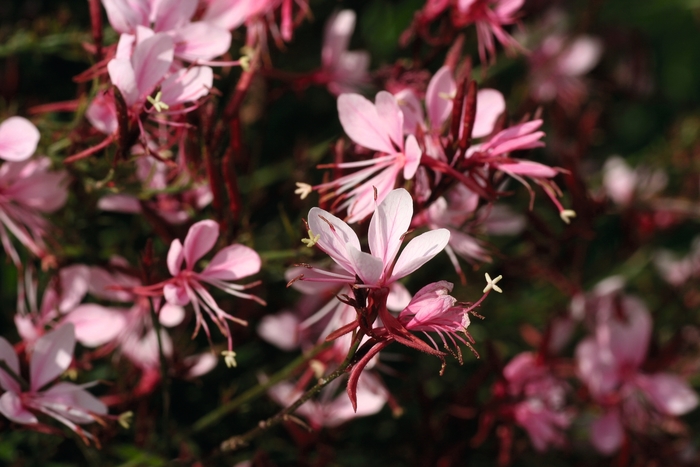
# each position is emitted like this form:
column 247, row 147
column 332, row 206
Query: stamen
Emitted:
column 230, row 358
column 566, row 215
column 491, row 283
column 303, row 190
column 125, row 419
column 312, row 240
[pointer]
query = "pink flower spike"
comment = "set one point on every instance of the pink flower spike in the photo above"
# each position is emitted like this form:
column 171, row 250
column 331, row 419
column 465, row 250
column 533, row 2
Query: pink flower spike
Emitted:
column 18, row 139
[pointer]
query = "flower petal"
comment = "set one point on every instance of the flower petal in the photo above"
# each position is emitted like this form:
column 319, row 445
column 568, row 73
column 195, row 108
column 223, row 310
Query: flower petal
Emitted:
column 390, row 114
column 7, row 354
column 419, row 251
column 175, row 257
column 96, row 325
column 362, row 123
column 18, row 139
column 151, row 60
column 490, row 104
column 187, row 85
column 232, row 263
column 199, row 240
column 607, row 433
column 670, row 394
column 439, row 95
column 389, row 223
column 368, row 267
column 334, row 236
column 52, row 355
column 11, row 407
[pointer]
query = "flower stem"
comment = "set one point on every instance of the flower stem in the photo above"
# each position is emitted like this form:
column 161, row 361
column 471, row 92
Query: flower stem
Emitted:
column 283, row 415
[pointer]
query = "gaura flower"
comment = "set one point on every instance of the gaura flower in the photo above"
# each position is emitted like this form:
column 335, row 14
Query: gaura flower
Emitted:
column 68, row 403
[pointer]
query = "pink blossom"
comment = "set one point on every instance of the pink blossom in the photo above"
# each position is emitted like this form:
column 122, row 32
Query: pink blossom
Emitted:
column 343, row 70
column 194, row 41
column 231, row 263
column 18, row 139
column 378, row 127
column 624, row 184
column 609, row 363
column 68, row 403
column 541, row 398
column 489, row 17
column 332, row 410
column 387, row 228
column 557, row 67
column 677, row 271
column 149, row 65
column 28, row 189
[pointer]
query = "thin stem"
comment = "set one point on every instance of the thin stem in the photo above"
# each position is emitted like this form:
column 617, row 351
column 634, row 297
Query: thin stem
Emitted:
column 283, row 415
column 165, row 393
column 220, row 412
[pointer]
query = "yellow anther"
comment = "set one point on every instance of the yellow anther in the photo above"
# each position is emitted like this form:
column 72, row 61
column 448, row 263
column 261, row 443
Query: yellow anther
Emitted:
column 125, row 419
column 303, row 190
column 230, row 358
column 312, row 240
column 567, row 214
column 157, row 104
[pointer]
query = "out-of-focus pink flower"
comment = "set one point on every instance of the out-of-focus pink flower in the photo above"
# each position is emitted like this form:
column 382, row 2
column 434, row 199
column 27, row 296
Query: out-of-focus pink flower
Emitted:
column 194, row 41
column 624, row 184
column 677, row 271
column 343, row 70
column 18, row 139
column 137, row 75
column 389, row 224
column 68, row 403
column 609, row 363
column 28, row 189
column 331, row 409
column 489, row 17
column 541, row 406
column 558, row 65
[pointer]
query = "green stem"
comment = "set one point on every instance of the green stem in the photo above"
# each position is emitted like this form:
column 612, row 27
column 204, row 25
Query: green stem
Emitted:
column 236, row 442
column 220, row 412
column 165, row 393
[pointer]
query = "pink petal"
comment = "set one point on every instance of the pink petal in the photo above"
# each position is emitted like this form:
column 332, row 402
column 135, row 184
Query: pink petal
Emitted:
column 580, row 57
column 229, row 14
column 73, row 402
column 438, row 97
column 390, row 113
column 171, row 315
column 74, row 286
column 362, row 123
column 199, row 240
column 596, row 367
column 419, row 251
column 528, row 168
column 412, row 110
column 413, row 154
column 7, row 353
column 52, row 355
column 125, row 15
column 175, row 257
column 172, row 14
column 102, row 114
column 232, row 263
column 42, row 190
column 201, row 41
column 670, row 394
column 336, row 38
column 629, row 339
column 507, row 8
column 187, row 85
column 122, row 75
column 12, row 408
column 96, row 325
column 335, row 235
column 389, row 223
column 151, row 60
column 280, row 330
column 366, row 266
column 119, row 203
column 200, row 364
column 490, row 105
column 399, row 297
column 176, row 295
column 607, row 433
column 18, row 139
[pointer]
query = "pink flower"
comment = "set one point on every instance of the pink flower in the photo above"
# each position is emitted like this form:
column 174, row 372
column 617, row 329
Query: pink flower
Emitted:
column 389, row 224
column 541, row 397
column 137, row 75
column 194, row 41
column 231, row 263
column 557, row 67
column 18, row 139
column 489, row 17
column 68, row 403
column 609, row 364
column 378, row 127
column 343, row 70
column 28, row 189
column 623, row 184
